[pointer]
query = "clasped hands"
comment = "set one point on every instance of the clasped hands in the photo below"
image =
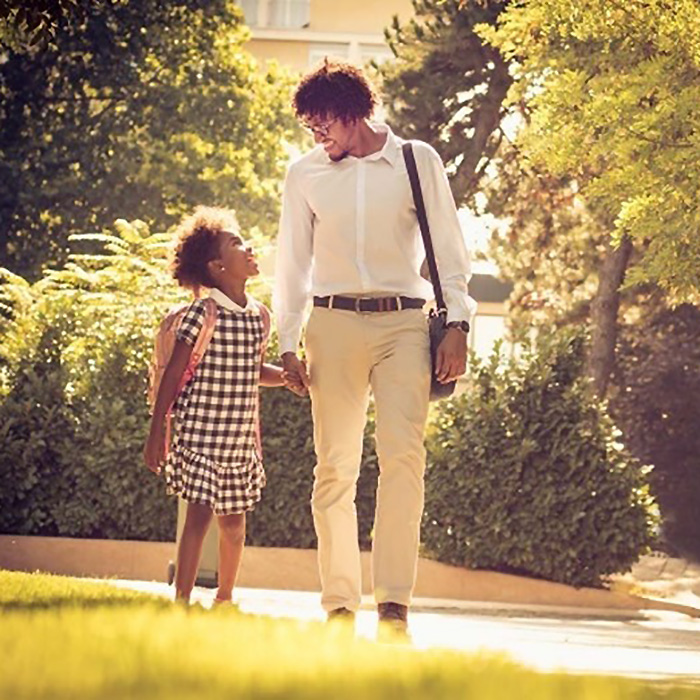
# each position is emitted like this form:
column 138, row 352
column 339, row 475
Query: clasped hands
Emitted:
column 294, row 374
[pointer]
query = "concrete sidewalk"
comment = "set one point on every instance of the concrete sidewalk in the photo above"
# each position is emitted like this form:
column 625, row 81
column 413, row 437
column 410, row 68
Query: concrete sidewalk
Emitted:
column 660, row 577
column 647, row 627
column 650, row 644
column 655, row 582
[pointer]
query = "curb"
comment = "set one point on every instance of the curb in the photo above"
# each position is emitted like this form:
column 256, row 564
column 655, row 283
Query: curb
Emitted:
column 277, row 568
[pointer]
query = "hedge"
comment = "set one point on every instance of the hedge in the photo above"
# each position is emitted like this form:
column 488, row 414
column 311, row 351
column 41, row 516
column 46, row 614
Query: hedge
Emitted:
column 526, row 474
column 524, row 471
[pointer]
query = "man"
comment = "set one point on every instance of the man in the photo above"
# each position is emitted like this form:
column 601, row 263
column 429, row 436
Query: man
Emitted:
column 349, row 238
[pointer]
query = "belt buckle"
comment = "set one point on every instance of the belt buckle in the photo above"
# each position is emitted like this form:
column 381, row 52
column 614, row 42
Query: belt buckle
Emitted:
column 358, row 304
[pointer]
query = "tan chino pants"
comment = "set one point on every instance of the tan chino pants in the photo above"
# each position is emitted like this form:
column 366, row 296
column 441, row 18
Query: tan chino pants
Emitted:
column 350, row 354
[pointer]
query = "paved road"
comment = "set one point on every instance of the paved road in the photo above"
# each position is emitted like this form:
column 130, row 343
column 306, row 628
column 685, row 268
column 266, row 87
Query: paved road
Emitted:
column 652, row 645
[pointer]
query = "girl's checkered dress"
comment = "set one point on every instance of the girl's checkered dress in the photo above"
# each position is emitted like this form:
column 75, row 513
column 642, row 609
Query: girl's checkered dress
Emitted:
column 215, row 456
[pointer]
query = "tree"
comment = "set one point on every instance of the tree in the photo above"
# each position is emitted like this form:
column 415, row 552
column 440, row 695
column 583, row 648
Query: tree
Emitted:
column 556, row 260
column 547, row 243
column 613, row 92
column 34, row 21
column 447, row 85
column 139, row 107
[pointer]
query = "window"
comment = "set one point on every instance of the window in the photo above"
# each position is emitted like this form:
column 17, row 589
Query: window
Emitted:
column 250, row 11
column 289, row 14
column 317, row 52
column 376, row 52
column 276, row 14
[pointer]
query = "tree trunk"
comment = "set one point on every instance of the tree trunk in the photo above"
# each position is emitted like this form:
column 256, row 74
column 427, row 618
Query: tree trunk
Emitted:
column 488, row 117
column 604, row 310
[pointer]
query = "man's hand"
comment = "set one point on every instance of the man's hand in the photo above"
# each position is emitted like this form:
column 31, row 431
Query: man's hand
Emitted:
column 294, row 374
column 451, row 360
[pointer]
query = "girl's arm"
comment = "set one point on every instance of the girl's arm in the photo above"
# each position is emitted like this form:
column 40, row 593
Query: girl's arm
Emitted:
column 154, row 451
column 270, row 375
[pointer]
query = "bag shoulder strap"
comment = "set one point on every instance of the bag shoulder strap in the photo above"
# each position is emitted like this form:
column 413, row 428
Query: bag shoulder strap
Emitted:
column 410, row 159
column 207, row 329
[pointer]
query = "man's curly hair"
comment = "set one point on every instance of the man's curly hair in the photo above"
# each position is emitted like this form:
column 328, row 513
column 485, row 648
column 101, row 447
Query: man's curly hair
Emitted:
column 337, row 89
column 197, row 244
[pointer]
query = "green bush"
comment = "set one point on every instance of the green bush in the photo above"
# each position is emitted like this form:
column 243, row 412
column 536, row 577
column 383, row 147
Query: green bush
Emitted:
column 526, row 475
column 73, row 417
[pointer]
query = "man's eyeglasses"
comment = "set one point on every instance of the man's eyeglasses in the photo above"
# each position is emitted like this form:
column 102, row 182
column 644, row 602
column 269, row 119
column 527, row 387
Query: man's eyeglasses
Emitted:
column 321, row 129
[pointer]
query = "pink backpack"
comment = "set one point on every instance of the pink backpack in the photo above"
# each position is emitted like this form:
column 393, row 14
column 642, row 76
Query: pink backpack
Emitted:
column 165, row 343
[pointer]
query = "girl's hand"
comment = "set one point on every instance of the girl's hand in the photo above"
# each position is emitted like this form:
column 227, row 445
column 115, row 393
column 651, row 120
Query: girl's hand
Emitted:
column 154, row 452
column 292, row 383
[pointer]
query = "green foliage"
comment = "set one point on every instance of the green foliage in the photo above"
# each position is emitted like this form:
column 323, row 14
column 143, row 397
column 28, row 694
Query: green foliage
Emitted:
column 657, row 406
column 73, row 418
column 549, row 245
column 526, row 475
column 30, row 22
column 613, row 90
column 138, row 106
column 447, row 86
column 606, row 90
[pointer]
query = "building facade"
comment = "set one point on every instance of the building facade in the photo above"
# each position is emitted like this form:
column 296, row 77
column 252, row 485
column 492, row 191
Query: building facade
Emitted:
column 299, row 33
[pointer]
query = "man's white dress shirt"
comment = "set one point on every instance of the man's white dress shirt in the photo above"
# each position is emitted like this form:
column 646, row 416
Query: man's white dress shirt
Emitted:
column 350, row 227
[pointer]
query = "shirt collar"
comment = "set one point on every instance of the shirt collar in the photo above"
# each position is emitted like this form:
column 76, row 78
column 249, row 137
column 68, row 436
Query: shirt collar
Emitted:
column 389, row 151
column 222, row 300
column 391, row 147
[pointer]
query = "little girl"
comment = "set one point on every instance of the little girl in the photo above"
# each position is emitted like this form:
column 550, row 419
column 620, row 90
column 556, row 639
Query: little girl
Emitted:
column 213, row 462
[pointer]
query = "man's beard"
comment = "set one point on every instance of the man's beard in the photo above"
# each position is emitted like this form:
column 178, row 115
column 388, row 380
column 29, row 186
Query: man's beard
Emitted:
column 335, row 159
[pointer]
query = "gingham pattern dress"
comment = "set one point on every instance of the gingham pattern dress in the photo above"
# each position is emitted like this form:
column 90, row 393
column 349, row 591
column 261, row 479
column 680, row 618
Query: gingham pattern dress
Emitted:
column 215, row 454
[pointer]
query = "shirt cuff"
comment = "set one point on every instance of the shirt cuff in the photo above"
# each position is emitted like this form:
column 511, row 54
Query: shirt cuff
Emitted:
column 465, row 312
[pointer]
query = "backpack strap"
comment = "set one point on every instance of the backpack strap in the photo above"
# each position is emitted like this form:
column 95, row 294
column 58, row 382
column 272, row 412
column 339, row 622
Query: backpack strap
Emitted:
column 201, row 344
column 198, row 349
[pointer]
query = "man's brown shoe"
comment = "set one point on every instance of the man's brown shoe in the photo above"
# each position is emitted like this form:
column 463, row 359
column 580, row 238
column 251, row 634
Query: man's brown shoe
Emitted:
column 393, row 618
column 342, row 614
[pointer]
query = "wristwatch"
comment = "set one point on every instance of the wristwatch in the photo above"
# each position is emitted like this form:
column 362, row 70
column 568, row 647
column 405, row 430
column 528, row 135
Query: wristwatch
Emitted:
column 461, row 325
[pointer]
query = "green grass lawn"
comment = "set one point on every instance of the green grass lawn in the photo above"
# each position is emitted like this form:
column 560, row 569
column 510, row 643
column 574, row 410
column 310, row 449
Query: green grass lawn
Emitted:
column 66, row 638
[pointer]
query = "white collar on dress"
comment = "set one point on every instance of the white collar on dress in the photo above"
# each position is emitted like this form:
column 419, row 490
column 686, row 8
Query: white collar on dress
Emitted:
column 220, row 298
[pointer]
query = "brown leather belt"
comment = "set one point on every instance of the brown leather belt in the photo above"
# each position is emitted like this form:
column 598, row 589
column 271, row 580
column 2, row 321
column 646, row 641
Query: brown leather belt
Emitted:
column 369, row 304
